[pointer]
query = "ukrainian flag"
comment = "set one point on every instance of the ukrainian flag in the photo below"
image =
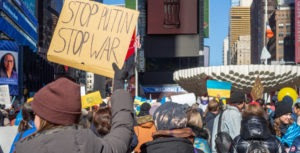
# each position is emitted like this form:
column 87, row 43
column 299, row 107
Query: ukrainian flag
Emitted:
column 221, row 88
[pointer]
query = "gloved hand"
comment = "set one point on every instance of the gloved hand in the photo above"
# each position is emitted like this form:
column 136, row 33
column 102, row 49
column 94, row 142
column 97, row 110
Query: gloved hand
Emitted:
column 119, row 78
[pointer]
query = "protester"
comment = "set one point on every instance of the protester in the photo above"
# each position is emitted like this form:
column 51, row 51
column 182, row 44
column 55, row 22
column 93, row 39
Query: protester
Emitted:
column 101, row 124
column 201, row 134
column 297, row 113
column 145, row 127
column 231, row 118
column 171, row 136
column 284, row 127
column 295, row 147
column 26, row 126
column 8, row 66
column 255, row 130
column 57, row 112
column 210, row 114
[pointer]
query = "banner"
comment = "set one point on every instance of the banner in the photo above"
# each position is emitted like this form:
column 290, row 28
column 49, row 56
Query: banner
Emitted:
column 91, row 99
column 9, row 70
column 91, row 36
column 218, row 88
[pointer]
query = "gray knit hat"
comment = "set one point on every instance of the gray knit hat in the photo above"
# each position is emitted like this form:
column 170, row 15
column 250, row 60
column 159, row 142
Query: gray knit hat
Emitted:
column 170, row 116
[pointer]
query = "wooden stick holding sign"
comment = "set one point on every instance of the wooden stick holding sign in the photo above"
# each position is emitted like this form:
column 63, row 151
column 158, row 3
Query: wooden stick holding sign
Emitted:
column 91, row 36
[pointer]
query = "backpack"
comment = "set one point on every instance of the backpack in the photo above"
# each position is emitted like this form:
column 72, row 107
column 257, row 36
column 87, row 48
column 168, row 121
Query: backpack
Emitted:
column 223, row 140
column 257, row 147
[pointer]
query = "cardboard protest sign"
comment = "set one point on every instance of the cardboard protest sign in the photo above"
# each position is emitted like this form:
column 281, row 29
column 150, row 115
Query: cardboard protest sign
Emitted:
column 91, row 99
column 4, row 95
column 221, row 88
column 91, row 36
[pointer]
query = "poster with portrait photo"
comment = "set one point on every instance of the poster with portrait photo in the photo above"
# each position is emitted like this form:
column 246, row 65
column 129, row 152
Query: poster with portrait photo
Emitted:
column 9, row 70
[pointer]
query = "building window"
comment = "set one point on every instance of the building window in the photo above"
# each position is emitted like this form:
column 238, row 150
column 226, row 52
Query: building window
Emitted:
column 280, row 34
column 280, row 42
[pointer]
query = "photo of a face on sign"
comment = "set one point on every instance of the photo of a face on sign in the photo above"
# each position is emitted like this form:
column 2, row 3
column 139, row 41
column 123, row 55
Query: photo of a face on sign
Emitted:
column 8, row 67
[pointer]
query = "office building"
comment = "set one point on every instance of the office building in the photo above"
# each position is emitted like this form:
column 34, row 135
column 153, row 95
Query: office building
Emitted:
column 239, row 26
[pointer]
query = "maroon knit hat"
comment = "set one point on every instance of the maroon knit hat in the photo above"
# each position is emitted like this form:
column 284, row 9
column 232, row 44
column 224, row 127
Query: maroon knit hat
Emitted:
column 58, row 102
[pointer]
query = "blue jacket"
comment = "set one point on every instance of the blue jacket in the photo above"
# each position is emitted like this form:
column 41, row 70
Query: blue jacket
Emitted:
column 295, row 146
column 22, row 135
column 292, row 132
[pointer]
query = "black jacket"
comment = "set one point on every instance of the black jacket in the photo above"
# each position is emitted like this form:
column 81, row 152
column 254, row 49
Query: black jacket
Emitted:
column 255, row 129
column 168, row 145
column 171, row 141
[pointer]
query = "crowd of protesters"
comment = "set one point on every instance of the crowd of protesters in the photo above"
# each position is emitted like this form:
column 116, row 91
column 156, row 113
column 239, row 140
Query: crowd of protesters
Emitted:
column 55, row 122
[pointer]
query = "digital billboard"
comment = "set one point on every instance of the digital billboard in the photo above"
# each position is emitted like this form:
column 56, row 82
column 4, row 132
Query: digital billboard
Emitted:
column 9, row 70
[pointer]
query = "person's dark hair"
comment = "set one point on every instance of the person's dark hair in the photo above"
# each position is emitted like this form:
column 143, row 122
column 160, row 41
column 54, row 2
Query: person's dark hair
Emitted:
column 261, row 102
column 2, row 61
column 28, row 115
column 297, row 105
column 102, row 120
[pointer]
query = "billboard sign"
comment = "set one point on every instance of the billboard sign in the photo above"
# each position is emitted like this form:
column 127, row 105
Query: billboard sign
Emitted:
column 297, row 31
column 25, row 10
column 19, row 19
column 206, row 19
column 9, row 70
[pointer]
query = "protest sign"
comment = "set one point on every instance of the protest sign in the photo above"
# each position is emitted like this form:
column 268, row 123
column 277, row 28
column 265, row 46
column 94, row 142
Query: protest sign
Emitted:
column 4, row 95
column 218, row 88
column 91, row 99
column 91, row 36
column 188, row 98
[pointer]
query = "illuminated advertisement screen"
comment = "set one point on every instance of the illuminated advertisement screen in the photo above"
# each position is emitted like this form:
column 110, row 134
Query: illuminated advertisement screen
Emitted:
column 9, row 70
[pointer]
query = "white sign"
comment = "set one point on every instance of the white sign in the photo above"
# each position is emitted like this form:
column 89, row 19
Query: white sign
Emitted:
column 188, row 98
column 4, row 95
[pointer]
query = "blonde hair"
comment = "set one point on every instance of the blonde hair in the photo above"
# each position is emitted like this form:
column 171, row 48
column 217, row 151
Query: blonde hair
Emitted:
column 194, row 118
column 45, row 125
column 212, row 106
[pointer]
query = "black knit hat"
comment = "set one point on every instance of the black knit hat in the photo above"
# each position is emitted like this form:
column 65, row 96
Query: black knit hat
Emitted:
column 144, row 110
column 283, row 107
column 237, row 98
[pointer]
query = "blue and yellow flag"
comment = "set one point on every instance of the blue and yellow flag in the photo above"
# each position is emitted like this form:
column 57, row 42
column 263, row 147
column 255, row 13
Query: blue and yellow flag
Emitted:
column 221, row 88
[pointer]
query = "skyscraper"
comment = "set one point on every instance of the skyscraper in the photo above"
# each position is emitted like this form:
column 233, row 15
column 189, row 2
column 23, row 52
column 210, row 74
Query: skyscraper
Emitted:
column 239, row 26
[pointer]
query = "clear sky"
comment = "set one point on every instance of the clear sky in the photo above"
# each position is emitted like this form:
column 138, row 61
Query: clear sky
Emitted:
column 218, row 29
column 113, row 1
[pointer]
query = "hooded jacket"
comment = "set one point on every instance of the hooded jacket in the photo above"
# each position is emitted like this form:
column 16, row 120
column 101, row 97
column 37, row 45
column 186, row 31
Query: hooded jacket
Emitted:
column 171, row 141
column 73, row 139
column 144, row 131
column 255, row 129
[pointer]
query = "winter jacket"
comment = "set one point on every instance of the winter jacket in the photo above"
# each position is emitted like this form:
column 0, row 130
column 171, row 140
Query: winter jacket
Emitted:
column 290, row 135
column 144, row 131
column 209, row 120
column 171, row 141
column 295, row 146
column 231, row 123
column 22, row 135
column 73, row 139
column 255, row 129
